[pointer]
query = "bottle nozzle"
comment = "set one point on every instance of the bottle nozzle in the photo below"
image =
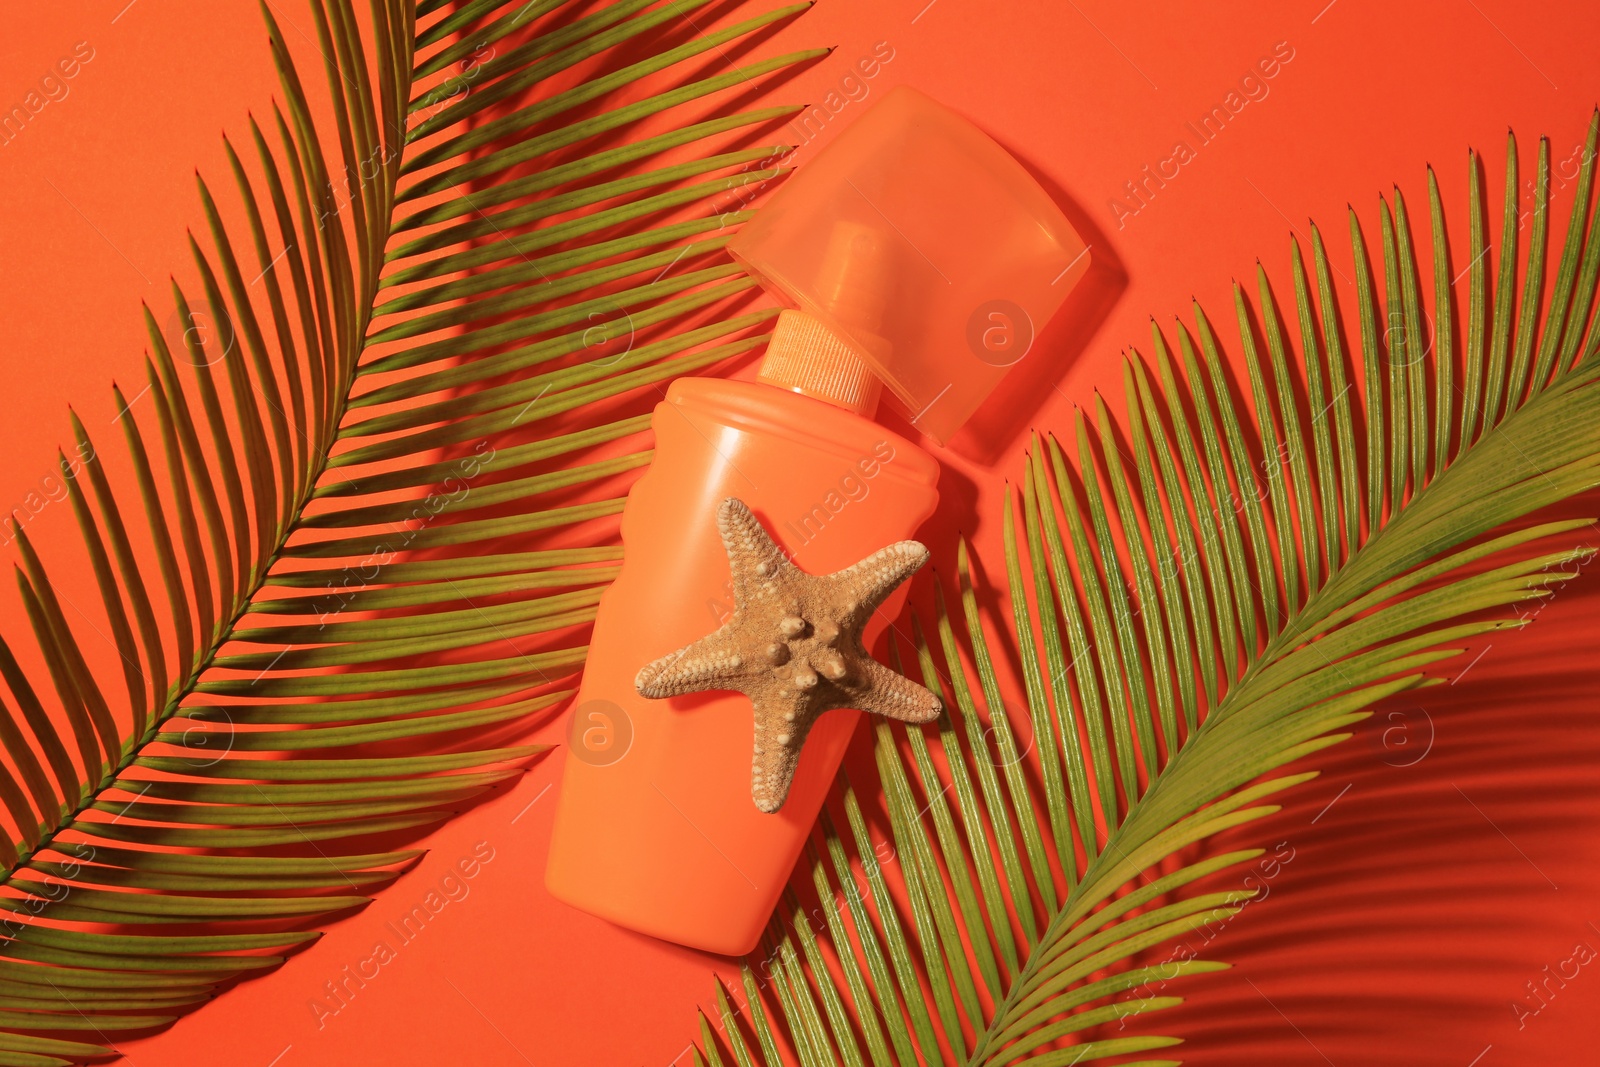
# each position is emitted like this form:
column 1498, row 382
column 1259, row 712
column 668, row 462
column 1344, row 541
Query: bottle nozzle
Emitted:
column 805, row 356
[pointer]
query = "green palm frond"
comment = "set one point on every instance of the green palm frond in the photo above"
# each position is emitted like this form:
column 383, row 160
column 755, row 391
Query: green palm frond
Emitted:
column 1201, row 593
column 354, row 516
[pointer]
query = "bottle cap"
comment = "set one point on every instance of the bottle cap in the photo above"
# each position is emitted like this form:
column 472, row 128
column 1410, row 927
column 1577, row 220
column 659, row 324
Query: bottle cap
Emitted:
column 917, row 246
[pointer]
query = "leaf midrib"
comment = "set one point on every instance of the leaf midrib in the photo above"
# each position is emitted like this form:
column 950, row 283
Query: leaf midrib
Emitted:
column 1294, row 629
column 133, row 749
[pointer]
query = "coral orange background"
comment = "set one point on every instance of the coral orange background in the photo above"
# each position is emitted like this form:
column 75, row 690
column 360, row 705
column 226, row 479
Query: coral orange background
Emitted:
column 1422, row 897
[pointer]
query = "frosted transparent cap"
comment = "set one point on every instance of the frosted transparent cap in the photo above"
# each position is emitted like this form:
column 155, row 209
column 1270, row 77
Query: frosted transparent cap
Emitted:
column 962, row 257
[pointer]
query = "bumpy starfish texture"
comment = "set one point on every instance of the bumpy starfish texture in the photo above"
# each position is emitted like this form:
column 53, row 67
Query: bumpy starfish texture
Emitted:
column 793, row 646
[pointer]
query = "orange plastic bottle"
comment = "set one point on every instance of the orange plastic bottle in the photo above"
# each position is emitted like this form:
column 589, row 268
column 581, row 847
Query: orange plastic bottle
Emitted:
column 655, row 828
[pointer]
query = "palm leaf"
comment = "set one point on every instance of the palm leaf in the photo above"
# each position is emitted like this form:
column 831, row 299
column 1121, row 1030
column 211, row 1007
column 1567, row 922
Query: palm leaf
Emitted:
column 1201, row 594
column 375, row 460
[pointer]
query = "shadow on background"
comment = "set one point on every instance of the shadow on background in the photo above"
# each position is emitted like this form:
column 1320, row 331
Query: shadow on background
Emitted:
column 1442, row 877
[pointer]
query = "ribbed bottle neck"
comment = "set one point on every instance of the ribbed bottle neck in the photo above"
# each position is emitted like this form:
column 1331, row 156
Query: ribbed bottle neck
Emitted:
column 806, row 357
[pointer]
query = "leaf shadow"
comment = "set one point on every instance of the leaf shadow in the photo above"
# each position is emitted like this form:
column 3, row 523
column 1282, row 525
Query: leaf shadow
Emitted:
column 1436, row 884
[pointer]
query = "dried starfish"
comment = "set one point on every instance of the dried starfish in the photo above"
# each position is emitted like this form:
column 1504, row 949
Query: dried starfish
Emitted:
column 793, row 646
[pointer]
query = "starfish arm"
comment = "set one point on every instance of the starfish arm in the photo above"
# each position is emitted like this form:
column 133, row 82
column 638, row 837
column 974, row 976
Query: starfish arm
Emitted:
column 754, row 558
column 868, row 584
column 883, row 692
column 713, row 662
column 781, row 726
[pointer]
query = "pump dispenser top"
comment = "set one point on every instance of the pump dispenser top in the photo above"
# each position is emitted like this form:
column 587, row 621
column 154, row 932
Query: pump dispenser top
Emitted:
column 912, row 249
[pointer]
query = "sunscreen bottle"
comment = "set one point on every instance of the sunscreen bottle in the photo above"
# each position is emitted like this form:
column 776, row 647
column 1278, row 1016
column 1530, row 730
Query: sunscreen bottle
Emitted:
column 914, row 252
